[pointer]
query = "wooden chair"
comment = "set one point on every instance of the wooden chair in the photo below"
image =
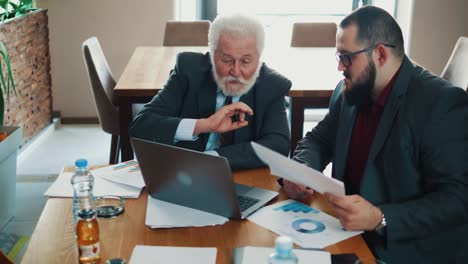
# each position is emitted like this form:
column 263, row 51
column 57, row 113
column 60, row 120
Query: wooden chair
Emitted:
column 309, row 34
column 4, row 259
column 456, row 70
column 184, row 33
column 102, row 84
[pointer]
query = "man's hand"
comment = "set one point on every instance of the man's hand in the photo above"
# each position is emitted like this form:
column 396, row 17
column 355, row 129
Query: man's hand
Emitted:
column 221, row 121
column 355, row 212
column 297, row 191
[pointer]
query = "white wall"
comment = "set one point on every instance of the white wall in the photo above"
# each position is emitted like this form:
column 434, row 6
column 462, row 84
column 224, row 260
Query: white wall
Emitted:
column 404, row 11
column 436, row 26
column 120, row 26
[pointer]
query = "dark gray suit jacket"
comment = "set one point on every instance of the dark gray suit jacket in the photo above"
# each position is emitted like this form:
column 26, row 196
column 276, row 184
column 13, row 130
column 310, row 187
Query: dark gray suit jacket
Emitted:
column 417, row 170
column 190, row 92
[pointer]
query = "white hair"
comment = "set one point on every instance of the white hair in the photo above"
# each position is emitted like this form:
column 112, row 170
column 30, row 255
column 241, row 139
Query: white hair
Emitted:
column 237, row 25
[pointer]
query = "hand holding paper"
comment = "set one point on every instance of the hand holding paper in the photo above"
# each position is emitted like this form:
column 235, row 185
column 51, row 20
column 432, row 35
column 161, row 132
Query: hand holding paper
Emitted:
column 297, row 172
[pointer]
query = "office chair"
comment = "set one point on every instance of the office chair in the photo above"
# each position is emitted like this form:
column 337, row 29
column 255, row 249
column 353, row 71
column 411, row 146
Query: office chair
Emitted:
column 456, row 70
column 102, row 84
column 183, row 33
column 310, row 34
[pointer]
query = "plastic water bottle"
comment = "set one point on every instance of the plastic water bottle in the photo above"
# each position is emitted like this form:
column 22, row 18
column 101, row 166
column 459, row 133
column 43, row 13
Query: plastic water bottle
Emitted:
column 283, row 252
column 83, row 182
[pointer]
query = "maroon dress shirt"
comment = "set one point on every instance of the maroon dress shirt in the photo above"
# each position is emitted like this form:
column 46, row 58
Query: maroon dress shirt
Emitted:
column 365, row 126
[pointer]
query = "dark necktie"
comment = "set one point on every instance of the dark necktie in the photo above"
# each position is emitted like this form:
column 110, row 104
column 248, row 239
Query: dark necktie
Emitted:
column 227, row 138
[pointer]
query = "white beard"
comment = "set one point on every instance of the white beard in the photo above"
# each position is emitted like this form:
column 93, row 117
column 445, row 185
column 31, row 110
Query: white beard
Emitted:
column 242, row 86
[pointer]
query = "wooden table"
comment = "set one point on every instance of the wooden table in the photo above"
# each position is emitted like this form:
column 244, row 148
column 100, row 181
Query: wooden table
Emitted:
column 53, row 240
column 313, row 72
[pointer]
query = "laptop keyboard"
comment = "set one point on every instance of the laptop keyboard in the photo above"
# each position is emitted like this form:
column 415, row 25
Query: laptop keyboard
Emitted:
column 246, row 202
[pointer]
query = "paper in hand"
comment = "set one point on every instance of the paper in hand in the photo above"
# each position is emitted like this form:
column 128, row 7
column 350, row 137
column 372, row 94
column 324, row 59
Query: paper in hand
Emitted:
column 296, row 172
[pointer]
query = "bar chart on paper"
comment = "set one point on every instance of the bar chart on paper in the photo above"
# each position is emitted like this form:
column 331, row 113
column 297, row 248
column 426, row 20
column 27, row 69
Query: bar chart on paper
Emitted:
column 307, row 226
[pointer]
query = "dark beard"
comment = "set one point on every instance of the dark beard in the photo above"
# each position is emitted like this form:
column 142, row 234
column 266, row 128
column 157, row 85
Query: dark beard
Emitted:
column 360, row 93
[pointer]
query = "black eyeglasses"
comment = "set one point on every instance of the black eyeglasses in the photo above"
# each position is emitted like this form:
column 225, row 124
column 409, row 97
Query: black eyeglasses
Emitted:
column 345, row 58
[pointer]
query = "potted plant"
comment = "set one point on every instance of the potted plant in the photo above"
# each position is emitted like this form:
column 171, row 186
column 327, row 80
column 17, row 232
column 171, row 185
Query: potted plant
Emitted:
column 10, row 9
column 12, row 136
column 24, row 31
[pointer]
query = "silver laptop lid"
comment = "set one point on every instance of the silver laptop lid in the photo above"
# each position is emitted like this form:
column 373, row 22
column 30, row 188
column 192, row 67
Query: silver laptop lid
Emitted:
column 187, row 177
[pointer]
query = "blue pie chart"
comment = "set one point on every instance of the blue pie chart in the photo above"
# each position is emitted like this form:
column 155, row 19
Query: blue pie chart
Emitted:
column 318, row 226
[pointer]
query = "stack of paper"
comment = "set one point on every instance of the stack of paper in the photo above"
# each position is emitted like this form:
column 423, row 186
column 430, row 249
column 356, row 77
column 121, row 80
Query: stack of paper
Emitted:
column 127, row 173
column 307, row 226
column 124, row 180
column 254, row 255
column 172, row 255
column 161, row 214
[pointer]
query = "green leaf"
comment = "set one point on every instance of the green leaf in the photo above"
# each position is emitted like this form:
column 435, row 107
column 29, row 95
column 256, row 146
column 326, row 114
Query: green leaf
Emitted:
column 10, row 81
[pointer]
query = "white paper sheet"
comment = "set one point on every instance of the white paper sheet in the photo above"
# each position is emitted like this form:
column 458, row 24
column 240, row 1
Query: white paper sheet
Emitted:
column 255, row 255
column 62, row 187
column 127, row 172
column 296, row 172
column 172, row 255
column 161, row 214
column 307, row 226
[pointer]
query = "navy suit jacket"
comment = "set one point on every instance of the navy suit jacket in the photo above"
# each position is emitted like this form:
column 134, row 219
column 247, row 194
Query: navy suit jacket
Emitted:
column 417, row 169
column 190, row 92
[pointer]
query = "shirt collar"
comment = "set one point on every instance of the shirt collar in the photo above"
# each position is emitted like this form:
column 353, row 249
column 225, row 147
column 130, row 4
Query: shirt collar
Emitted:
column 383, row 98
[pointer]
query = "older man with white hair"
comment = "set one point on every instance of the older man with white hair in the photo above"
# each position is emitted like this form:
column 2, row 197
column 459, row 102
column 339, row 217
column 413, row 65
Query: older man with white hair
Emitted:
column 220, row 101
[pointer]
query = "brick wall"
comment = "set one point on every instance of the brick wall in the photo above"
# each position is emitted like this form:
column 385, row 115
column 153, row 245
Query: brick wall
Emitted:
column 27, row 41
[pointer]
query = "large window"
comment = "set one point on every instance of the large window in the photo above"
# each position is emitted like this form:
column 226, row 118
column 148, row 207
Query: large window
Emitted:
column 278, row 16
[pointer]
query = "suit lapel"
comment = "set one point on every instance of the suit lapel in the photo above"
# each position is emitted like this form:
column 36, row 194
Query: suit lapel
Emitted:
column 244, row 133
column 206, row 99
column 391, row 109
column 343, row 138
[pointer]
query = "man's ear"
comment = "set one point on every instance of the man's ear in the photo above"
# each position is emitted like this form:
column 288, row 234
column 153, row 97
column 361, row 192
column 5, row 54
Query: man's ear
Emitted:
column 382, row 55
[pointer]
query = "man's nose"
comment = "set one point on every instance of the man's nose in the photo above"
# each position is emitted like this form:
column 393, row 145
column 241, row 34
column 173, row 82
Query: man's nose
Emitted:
column 341, row 66
column 235, row 69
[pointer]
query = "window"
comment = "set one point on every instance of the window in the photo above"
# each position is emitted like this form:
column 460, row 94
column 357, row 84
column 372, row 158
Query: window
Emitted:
column 278, row 16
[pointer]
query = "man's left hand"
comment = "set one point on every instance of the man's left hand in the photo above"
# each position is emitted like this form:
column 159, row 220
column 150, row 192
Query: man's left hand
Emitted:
column 354, row 212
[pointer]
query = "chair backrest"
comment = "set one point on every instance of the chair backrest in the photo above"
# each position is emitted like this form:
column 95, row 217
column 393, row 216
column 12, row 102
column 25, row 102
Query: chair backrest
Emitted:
column 309, row 34
column 102, row 85
column 5, row 259
column 185, row 33
column 456, row 70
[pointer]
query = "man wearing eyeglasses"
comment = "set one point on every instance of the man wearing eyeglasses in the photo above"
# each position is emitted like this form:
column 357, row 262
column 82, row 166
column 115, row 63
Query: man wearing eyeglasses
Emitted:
column 398, row 138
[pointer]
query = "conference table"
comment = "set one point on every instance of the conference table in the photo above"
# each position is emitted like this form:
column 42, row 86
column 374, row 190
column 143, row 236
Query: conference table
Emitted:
column 312, row 71
column 53, row 240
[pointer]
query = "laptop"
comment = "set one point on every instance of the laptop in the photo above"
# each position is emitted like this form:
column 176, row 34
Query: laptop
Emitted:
column 196, row 180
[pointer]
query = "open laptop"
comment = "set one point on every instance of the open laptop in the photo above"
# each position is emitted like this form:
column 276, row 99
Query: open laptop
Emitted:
column 196, row 180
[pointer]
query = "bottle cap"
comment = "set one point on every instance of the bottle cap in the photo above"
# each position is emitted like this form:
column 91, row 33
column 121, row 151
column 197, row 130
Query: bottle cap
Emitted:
column 283, row 244
column 86, row 213
column 81, row 163
column 116, row 261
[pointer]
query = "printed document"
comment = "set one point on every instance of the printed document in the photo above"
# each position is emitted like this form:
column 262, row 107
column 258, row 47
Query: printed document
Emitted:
column 172, row 255
column 62, row 187
column 161, row 214
column 307, row 226
column 255, row 255
column 296, row 172
column 127, row 172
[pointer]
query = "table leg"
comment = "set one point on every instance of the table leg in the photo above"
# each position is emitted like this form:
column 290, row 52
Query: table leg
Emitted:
column 125, row 112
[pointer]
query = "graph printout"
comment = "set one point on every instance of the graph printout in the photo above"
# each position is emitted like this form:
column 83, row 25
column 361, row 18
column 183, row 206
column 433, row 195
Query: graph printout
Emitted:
column 307, row 226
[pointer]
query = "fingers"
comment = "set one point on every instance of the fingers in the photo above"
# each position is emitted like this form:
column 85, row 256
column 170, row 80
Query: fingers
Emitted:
column 342, row 202
column 237, row 107
column 296, row 191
